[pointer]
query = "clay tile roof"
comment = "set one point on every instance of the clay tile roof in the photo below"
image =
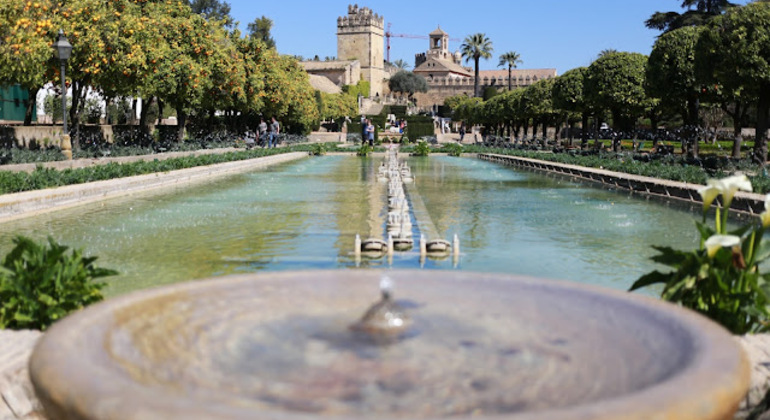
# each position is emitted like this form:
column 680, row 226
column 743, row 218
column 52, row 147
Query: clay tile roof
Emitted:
column 442, row 65
column 323, row 84
column 438, row 31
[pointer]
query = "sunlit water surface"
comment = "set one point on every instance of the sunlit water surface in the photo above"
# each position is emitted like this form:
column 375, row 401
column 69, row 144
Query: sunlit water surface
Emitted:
column 305, row 215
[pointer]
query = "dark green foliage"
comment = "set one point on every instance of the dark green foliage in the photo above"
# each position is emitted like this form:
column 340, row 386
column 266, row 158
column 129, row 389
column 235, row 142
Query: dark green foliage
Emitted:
column 40, row 284
column 421, row 149
column 615, row 82
column 452, row 149
column 670, row 73
column 260, row 29
column 318, row 149
column 408, row 83
column 698, row 13
column 364, row 150
column 47, row 178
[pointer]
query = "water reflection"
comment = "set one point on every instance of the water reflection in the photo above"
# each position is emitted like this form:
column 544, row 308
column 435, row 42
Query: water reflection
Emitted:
column 305, row 214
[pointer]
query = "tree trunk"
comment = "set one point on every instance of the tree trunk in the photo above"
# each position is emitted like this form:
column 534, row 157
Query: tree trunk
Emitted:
column 526, row 126
column 144, row 125
column 584, row 130
column 160, row 111
column 134, row 105
column 181, row 120
column 31, row 105
column 510, row 72
column 763, row 112
column 534, row 128
column 737, row 131
column 74, row 126
column 476, row 78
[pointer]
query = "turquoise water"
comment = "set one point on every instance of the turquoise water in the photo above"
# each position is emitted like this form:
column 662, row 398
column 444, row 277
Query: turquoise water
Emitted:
column 305, row 215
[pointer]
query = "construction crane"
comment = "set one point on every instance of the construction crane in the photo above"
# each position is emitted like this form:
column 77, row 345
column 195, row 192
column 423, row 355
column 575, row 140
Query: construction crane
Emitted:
column 389, row 34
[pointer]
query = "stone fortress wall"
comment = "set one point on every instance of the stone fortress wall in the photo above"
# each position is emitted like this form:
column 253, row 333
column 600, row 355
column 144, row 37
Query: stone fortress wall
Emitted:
column 440, row 88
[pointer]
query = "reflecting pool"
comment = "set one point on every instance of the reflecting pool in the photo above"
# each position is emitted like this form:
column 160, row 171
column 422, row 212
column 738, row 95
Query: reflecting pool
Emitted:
column 305, row 215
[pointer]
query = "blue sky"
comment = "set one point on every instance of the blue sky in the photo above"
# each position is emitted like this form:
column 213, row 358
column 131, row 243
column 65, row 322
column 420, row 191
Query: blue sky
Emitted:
column 561, row 34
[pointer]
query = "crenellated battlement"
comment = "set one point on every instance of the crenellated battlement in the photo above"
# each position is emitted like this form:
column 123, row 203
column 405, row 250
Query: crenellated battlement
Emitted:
column 360, row 18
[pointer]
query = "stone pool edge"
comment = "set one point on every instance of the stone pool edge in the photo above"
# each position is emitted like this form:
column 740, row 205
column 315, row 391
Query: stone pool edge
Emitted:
column 30, row 203
column 744, row 203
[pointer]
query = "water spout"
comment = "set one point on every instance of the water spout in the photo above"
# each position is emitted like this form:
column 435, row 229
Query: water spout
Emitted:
column 357, row 246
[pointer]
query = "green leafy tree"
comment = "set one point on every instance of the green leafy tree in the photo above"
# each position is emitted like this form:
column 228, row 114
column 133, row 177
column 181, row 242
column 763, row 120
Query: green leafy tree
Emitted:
column 615, row 82
column 568, row 96
column 510, row 59
column 337, row 105
column 406, row 82
column 538, row 97
column 670, row 73
column 213, row 10
column 476, row 47
column 183, row 58
column 698, row 13
column 27, row 31
column 733, row 55
column 260, row 29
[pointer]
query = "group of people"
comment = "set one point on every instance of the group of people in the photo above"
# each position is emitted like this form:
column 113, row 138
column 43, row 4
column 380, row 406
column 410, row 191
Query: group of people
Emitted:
column 268, row 134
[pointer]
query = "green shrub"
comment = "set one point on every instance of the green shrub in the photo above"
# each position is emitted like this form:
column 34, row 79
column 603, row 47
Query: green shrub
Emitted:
column 40, row 284
column 452, row 149
column 318, row 149
column 421, row 149
column 365, row 150
column 404, row 139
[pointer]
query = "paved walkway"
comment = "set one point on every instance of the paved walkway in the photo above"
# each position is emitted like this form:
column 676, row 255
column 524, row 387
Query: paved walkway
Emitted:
column 17, row 400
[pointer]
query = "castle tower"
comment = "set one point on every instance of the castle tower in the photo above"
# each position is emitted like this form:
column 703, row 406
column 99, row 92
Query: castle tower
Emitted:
column 361, row 36
column 439, row 45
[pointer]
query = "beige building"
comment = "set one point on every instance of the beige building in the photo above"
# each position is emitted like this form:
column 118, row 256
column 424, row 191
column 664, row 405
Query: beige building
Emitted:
column 438, row 62
column 361, row 37
column 446, row 76
column 340, row 73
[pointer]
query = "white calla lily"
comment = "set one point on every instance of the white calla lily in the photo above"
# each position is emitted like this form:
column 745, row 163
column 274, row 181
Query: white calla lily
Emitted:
column 709, row 193
column 731, row 185
column 715, row 242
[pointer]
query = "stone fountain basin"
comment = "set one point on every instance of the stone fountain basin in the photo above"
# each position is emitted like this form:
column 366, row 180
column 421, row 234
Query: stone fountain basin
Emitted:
column 278, row 346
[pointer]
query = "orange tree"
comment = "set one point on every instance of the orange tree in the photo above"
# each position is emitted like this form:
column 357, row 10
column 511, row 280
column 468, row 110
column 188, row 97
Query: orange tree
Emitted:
column 182, row 57
column 27, row 31
column 88, row 25
column 288, row 94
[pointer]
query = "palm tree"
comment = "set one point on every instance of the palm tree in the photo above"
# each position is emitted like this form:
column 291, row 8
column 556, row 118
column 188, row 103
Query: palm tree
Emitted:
column 401, row 64
column 698, row 13
column 476, row 46
column 607, row 51
column 510, row 59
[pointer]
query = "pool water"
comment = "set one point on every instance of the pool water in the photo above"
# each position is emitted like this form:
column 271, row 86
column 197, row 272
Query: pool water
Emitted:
column 305, row 215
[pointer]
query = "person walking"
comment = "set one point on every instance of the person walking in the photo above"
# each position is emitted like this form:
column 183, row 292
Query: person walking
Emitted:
column 275, row 129
column 370, row 132
column 462, row 131
column 262, row 132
